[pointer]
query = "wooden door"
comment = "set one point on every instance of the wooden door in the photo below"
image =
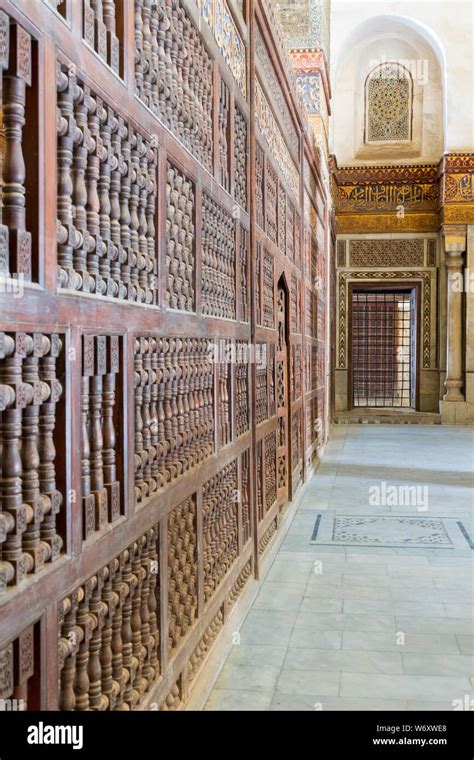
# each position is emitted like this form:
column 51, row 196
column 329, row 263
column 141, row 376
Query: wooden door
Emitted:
column 282, row 395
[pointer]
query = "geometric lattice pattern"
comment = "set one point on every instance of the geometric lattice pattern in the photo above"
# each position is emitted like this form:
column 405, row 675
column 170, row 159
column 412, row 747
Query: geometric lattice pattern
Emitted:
column 386, row 253
column 381, row 349
column 388, row 104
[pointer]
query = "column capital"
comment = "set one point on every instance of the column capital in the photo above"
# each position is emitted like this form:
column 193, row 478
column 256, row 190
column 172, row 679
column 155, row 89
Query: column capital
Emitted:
column 454, row 259
column 455, row 238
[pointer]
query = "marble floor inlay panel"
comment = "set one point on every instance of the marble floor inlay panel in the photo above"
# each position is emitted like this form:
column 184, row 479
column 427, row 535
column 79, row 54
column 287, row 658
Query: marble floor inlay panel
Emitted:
column 380, row 615
column 400, row 532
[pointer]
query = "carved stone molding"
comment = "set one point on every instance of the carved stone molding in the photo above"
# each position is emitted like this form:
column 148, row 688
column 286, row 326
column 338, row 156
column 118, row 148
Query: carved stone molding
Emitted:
column 384, row 275
column 386, row 253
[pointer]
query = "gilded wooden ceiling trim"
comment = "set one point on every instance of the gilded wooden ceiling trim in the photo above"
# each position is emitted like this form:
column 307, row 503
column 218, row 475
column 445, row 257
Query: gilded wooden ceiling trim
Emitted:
column 410, row 198
column 360, row 223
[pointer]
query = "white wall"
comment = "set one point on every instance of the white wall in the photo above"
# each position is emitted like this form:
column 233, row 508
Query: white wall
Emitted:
column 438, row 32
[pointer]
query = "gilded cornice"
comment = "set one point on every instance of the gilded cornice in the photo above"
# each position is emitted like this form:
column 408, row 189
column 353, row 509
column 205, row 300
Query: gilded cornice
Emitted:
column 409, row 198
column 361, row 223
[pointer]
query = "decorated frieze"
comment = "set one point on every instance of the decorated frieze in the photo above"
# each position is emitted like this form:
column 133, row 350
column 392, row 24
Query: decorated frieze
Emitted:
column 273, row 86
column 309, row 86
column 380, row 222
column 457, row 171
column 421, row 174
column 387, row 197
column 386, row 253
column 273, row 135
column 382, row 189
column 311, row 73
column 305, row 23
column 416, row 198
column 229, row 41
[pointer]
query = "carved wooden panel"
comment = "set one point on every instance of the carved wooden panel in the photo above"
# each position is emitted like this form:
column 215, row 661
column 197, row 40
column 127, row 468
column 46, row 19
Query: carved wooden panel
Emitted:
column 240, row 158
column 313, row 423
column 271, row 352
column 31, row 489
column 290, row 231
column 242, row 398
column 282, row 240
column 132, row 451
column 245, row 496
column 17, row 58
column 261, row 402
column 270, row 470
column 271, row 199
column 266, row 539
column 296, row 441
column 225, row 403
column 298, row 250
column 17, row 668
column 100, row 434
column 173, row 74
column 182, row 571
column 108, row 647
column 244, row 288
column 296, row 372
column 218, row 285
column 180, row 240
column 224, row 135
column 311, row 312
column 259, row 175
column 239, row 585
column 295, row 304
column 258, row 283
column 314, row 368
column 174, row 423
column 268, row 290
column 220, row 531
column 260, row 474
column 102, row 22
column 282, row 394
column 106, row 197
column 205, row 645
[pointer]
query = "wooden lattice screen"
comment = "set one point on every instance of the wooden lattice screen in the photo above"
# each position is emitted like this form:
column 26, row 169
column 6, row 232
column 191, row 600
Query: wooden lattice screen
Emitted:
column 160, row 199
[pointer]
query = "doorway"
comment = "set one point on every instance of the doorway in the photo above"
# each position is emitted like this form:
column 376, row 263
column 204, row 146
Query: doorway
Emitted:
column 282, row 396
column 384, row 347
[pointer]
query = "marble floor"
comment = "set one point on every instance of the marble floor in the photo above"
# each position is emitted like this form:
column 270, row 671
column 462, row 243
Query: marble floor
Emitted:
column 357, row 627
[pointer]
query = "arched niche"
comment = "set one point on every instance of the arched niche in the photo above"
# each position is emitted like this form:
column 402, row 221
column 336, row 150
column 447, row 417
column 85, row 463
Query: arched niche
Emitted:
column 379, row 42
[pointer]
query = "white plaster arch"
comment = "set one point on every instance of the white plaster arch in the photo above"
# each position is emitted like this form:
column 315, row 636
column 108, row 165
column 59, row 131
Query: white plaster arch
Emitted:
column 389, row 37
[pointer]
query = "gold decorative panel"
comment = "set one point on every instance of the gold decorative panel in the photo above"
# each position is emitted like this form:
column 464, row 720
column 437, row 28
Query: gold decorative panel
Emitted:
column 386, row 253
column 271, row 131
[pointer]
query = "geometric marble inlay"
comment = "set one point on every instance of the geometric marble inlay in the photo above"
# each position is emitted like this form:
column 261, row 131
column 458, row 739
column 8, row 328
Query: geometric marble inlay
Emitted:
column 397, row 531
column 406, row 531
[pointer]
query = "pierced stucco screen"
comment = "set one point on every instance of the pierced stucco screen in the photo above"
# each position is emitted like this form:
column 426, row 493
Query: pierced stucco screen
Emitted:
column 388, row 104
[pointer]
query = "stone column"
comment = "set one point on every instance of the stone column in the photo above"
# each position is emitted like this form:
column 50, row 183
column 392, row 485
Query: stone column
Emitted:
column 453, row 409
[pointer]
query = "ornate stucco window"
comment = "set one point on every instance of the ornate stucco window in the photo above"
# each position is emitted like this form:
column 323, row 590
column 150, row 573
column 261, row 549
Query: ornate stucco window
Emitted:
column 388, row 104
